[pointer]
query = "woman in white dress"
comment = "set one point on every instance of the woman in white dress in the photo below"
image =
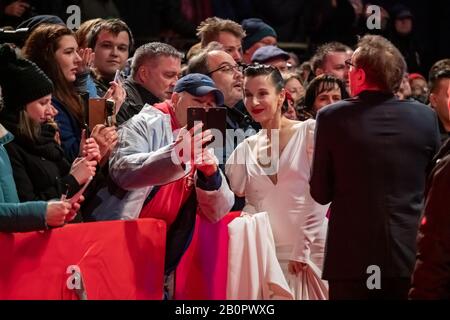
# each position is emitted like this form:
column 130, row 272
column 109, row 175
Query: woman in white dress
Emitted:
column 272, row 170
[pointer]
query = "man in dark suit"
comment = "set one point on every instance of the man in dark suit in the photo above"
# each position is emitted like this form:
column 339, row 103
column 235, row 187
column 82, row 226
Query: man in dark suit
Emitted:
column 371, row 160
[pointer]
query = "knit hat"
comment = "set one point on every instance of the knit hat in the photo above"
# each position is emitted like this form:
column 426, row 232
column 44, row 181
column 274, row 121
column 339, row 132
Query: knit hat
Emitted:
column 255, row 30
column 36, row 21
column 22, row 81
column 400, row 11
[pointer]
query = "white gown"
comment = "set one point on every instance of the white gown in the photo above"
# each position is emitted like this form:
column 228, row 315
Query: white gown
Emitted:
column 298, row 223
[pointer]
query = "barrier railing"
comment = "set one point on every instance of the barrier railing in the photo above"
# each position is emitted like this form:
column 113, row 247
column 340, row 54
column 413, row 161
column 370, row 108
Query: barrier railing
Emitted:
column 115, row 260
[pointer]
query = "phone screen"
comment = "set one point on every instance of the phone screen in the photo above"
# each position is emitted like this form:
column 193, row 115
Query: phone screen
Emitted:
column 217, row 121
column 195, row 115
column 212, row 118
column 97, row 112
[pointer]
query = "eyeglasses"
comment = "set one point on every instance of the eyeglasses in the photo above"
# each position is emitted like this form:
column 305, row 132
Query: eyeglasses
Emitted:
column 228, row 68
column 349, row 63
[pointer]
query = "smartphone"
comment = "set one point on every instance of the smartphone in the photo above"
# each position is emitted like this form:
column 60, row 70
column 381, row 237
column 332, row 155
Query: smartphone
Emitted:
column 97, row 112
column 80, row 192
column 212, row 119
column 85, row 99
column 110, row 113
column 101, row 111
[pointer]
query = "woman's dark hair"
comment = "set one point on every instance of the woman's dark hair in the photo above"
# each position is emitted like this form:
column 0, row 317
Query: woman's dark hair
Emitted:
column 319, row 84
column 266, row 70
column 256, row 70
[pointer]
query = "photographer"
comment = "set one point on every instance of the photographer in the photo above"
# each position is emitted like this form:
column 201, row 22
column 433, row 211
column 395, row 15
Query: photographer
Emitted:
column 146, row 182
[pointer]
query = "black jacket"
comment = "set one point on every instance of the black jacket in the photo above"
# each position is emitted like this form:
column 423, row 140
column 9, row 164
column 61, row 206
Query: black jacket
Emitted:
column 444, row 134
column 40, row 169
column 431, row 278
column 137, row 97
column 372, row 155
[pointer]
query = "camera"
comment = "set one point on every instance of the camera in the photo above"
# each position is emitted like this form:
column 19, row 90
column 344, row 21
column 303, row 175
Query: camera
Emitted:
column 16, row 37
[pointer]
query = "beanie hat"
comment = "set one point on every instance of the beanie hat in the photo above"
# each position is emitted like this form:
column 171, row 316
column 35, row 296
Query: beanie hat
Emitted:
column 36, row 21
column 255, row 30
column 400, row 11
column 22, row 81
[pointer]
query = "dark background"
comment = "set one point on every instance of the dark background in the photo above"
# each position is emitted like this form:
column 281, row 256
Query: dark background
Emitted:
column 302, row 25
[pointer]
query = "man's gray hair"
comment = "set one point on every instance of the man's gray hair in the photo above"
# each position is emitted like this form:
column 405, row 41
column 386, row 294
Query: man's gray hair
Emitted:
column 150, row 51
column 319, row 58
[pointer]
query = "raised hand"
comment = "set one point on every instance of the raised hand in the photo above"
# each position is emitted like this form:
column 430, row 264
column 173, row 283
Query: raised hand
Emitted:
column 189, row 148
column 17, row 8
column 106, row 138
column 205, row 161
column 82, row 169
column 73, row 211
column 89, row 148
column 117, row 93
column 87, row 57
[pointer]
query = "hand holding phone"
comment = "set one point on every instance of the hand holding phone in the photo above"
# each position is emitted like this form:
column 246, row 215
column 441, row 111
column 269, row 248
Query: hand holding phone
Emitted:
column 76, row 197
column 118, row 77
column 213, row 119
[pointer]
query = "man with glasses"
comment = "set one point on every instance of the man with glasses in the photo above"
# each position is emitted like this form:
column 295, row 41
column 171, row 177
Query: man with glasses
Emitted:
column 151, row 175
column 227, row 76
column 370, row 161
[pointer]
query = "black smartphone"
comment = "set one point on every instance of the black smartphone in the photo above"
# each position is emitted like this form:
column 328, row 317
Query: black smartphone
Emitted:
column 85, row 99
column 214, row 119
column 196, row 115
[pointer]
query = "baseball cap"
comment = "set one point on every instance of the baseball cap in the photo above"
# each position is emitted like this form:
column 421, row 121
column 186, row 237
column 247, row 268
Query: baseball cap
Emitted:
column 267, row 53
column 199, row 85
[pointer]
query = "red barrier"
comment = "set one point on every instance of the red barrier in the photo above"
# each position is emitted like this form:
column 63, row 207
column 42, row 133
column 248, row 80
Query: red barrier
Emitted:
column 117, row 260
column 202, row 272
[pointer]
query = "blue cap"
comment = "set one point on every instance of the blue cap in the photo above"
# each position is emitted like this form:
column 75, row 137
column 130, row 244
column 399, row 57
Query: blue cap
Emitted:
column 199, row 85
column 267, row 53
